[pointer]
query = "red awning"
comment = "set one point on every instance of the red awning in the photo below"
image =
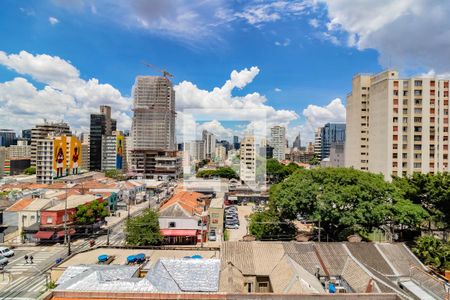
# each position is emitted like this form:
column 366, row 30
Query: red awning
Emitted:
column 63, row 232
column 44, row 235
column 178, row 232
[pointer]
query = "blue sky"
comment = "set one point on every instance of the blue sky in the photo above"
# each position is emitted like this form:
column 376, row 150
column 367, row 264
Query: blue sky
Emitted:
column 306, row 53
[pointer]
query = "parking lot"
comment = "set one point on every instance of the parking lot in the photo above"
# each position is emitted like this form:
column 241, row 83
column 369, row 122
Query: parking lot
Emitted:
column 238, row 234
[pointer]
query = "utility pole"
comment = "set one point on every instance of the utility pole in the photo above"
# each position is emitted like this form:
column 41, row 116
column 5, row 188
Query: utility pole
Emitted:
column 107, row 236
column 202, row 233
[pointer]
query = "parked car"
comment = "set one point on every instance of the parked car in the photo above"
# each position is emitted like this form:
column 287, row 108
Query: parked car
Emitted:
column 3, row 261
column 6, row 252
column 231, row 218
column 232, row 226
column 212, row 236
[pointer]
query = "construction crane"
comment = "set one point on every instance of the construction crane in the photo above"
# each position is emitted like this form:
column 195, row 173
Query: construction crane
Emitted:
column 164, row 72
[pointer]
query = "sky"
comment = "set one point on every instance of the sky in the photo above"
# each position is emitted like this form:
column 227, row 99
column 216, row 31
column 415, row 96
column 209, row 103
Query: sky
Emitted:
column 253, row 62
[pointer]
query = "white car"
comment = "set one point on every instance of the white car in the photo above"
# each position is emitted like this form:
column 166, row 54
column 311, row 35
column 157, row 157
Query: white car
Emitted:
column 3, row 261
column 4, row 251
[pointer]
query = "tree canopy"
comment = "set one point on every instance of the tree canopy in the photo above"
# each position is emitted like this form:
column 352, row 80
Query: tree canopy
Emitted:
column 433, row 252
column 30, row 171
column 431, row 191
column 267, row 225
column 91, row 212
column 222, row 172
column 277, row 172
column 343, row 199
column 143, row 230
column 115, row 174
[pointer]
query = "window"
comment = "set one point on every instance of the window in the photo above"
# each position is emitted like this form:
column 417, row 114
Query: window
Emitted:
column 417, row 119
column 405, row 155
column 395, row 101
column 395, row 146
column 417, row 155
column 394, row 155
column 395, row 119
column 432, row 92
column 417, row 128
column 417, row 147
column 417, row 82
column 417, row 92
column 172, row 225
column 395, row 137
column 395, row 92
column 432, row 111
column 418, row 101
column 445, row 84
column 49, row 220
column 417, row 138
column 395, row 110
column 405, row 111
column 417, row 110
column 417, row 165
column 395, row 128
column 405, row 93
column 445, row 93
column 432, row 83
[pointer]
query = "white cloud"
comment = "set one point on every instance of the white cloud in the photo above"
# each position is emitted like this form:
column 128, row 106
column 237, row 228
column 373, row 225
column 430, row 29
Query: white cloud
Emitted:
column 277, row 90
column 318, row 116
column 284, row 43
column 64, row 95
column 408, row 34
column 53, row 20
column 314, row 23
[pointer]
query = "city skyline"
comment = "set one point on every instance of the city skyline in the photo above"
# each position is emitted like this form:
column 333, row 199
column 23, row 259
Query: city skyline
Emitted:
column 217, row 62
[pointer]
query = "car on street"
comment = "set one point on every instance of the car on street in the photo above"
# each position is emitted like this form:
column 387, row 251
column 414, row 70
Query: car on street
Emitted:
column 4, row 251
column 3, row 261
column 212, row 236
column 232, row 226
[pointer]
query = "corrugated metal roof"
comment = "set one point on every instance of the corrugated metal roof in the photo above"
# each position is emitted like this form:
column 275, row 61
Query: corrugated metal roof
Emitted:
column 266, row 256
column 334, row 256
column 368, row 254
column 399, row 257
column 240, row 254
column 304, row 255
column 355, row 276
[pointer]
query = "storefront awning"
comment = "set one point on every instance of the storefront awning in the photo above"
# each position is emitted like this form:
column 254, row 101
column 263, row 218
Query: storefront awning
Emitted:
column 179, row 232
column 44, row 235
column 63, row 232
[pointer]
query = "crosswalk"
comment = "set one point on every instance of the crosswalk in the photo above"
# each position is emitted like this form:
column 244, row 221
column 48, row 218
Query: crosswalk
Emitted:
column 25, row 288
column 18, row 266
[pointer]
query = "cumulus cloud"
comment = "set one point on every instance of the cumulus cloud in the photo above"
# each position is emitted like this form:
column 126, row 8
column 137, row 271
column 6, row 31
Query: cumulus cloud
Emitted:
column 318, row 116
column 314, row 23
column 64, row 96
column 277, row 90
column 53, row 20
column 284, row 43
column 413, row 34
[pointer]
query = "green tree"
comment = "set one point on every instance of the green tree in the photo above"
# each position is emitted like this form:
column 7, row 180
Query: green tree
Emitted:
column 343, row 199
column 91, row 212
column 277, row 172
column 222, row 172
column 143, row 230
column 267, row 225
column 433, row 252
column 115, row 174
column 432, row 191
column 30, row 171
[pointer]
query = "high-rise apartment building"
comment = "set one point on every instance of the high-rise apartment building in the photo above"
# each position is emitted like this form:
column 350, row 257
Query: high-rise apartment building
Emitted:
column 57, row 156
column 397, row 126
column 21, row 150
column 331, row 133
column 247, row 170
column 318, row 143
column 113, row 149
column 195, row 150
column 220, row 153
column 154, row 150
column 7, row 137
column 85, row 147
column 278, row 142
column 26, row 135
column 101, row 124
column 209, row 141
column 41, row 131
column 236, row 143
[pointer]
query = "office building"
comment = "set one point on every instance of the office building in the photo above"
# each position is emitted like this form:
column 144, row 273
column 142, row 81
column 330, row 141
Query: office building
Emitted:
column 26, row 135
column 220, row 153
column 154, row 151
column 113, row 149
column 209, row 141
column 3, row 158
column 397, row 126
column 101, row 124
column 297, row 142
column 41, row 131
column 331, row 133
column 247, row 168
column 7, row 137
column 85, row 151
column 57, row 156
column 236, row 143
column 278, row 142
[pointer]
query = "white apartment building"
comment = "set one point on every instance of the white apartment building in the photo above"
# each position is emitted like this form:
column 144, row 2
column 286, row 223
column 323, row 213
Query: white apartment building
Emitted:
column 110, row 156
column 209, row 140
column 195, row 149
column 318, row 143
column 41, row 131
column 220, row 153
column 21, row 150
column 397, row 126
column 278, row 142
column 248, row 160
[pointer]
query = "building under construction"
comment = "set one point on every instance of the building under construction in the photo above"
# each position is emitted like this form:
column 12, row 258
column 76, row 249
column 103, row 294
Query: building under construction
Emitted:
column 153, row 153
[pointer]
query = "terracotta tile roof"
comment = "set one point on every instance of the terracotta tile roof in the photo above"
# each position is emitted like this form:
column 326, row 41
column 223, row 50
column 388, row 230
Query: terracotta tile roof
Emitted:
column 20, row 205
column 70, row 192
column 187, row 200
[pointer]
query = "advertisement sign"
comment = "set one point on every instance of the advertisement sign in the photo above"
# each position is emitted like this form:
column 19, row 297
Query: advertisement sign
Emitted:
column 119, row 151
column 59, row 156
column 75, row 155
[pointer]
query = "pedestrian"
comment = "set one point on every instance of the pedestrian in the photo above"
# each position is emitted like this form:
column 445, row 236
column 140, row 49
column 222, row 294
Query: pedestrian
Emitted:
column 31, row 259
column 26, row 258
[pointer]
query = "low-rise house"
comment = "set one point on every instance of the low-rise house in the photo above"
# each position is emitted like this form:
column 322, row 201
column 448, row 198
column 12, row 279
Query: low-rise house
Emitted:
column 52, row 219
column 183, row 218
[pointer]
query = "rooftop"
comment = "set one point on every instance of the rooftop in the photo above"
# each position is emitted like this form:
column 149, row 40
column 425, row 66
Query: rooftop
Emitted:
column 73, row 201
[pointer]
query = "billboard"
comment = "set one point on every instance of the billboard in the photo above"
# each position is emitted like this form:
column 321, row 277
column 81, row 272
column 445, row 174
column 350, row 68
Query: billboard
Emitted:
column 75, row 155
column 59, row 157
column 119, row 151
